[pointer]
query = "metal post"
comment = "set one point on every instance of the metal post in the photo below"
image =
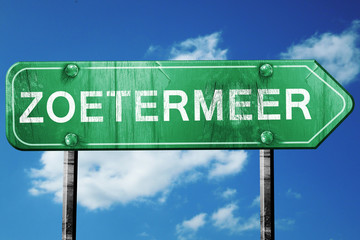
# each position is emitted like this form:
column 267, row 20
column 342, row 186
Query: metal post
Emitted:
column 267, row 223
column 69, row 195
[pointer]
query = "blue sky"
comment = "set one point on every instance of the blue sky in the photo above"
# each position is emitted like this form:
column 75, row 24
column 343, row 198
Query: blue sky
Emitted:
column 188, row 195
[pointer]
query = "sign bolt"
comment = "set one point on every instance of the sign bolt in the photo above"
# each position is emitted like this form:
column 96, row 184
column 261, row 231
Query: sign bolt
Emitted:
column 267, row 137
column 71, row 139
column 266, row 70
column 71, row 70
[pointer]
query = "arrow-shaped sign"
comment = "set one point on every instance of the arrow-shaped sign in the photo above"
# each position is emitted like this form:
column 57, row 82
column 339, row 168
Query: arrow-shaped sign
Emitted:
column 172, row 105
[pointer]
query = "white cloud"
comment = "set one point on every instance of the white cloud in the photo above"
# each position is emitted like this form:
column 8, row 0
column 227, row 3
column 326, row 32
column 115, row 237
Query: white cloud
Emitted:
column 284, row 223
column 224, row 218
column 228, row 193
column 229, row 166
column 256, row 202
column 195, row 223
column 188, row 228
column 152, row 49
column 144, row 234
column 50, row 177
column 292, row 194
column 339, row 54
column 108, row 178
column 200, row 48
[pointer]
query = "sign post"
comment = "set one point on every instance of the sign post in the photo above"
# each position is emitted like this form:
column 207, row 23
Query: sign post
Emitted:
column 69, row 195
column 267, row 223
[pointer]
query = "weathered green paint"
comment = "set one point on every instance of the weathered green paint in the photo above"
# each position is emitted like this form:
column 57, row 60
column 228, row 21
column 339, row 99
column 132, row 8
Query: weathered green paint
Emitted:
column 241, row 81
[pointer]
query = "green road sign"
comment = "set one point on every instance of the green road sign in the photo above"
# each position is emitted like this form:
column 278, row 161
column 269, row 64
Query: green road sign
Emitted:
column 172, row 105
